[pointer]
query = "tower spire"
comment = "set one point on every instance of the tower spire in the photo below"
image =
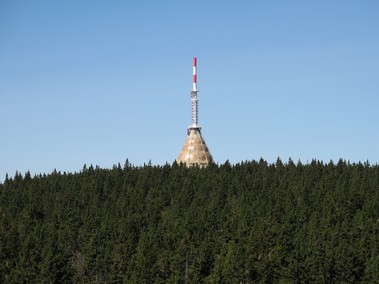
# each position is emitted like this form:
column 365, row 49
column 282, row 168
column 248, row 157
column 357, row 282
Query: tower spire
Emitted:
column 194, row 99
column 194, row 89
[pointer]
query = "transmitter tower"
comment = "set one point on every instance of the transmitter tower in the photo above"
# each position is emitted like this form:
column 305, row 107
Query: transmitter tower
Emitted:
column 195, row 151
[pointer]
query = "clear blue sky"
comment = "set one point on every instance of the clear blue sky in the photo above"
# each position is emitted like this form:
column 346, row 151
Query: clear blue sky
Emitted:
column 97, row 82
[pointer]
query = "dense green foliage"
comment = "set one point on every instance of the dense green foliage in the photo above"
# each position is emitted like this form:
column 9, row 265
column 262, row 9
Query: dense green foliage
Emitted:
column 245, row 223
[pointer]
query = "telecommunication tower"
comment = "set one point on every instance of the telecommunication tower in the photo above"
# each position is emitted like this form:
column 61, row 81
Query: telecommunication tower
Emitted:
column 195, row 151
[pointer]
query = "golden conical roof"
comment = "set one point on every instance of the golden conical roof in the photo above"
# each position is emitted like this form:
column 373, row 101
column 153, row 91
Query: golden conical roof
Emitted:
column 195, row 151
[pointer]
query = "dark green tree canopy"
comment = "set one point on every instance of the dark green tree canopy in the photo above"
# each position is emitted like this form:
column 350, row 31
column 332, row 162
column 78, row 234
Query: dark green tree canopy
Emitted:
column 245, row 223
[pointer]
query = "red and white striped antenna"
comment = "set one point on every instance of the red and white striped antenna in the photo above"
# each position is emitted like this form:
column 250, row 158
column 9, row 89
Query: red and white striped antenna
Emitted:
column 194, row 89
column 194, row 99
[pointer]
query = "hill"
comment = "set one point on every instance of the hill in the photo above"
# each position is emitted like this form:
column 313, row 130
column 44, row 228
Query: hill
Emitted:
column 243, row 223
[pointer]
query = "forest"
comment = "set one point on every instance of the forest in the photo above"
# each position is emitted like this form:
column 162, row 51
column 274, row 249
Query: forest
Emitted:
column 250, row 222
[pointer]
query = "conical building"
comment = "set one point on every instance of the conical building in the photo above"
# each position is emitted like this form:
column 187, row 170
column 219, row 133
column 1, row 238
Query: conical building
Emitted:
column 195, row 151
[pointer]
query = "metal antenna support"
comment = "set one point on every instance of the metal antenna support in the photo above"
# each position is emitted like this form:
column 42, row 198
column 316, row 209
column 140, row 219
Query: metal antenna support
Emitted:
column 195, row 109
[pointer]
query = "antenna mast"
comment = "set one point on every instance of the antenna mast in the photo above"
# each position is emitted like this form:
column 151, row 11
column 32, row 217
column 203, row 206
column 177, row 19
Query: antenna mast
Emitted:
column 194, row 99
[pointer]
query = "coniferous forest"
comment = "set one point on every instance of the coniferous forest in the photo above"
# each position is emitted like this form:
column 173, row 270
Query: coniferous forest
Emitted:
column 253, row 222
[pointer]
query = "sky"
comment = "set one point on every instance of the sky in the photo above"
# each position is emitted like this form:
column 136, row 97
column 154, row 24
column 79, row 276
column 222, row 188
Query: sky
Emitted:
column 99, row 82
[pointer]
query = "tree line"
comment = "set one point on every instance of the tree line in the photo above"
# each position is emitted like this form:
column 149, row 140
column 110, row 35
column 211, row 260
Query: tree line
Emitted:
column 251, row 222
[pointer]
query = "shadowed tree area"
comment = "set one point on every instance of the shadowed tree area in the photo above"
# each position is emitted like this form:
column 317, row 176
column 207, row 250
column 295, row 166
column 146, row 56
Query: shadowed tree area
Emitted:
column 245, row 223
